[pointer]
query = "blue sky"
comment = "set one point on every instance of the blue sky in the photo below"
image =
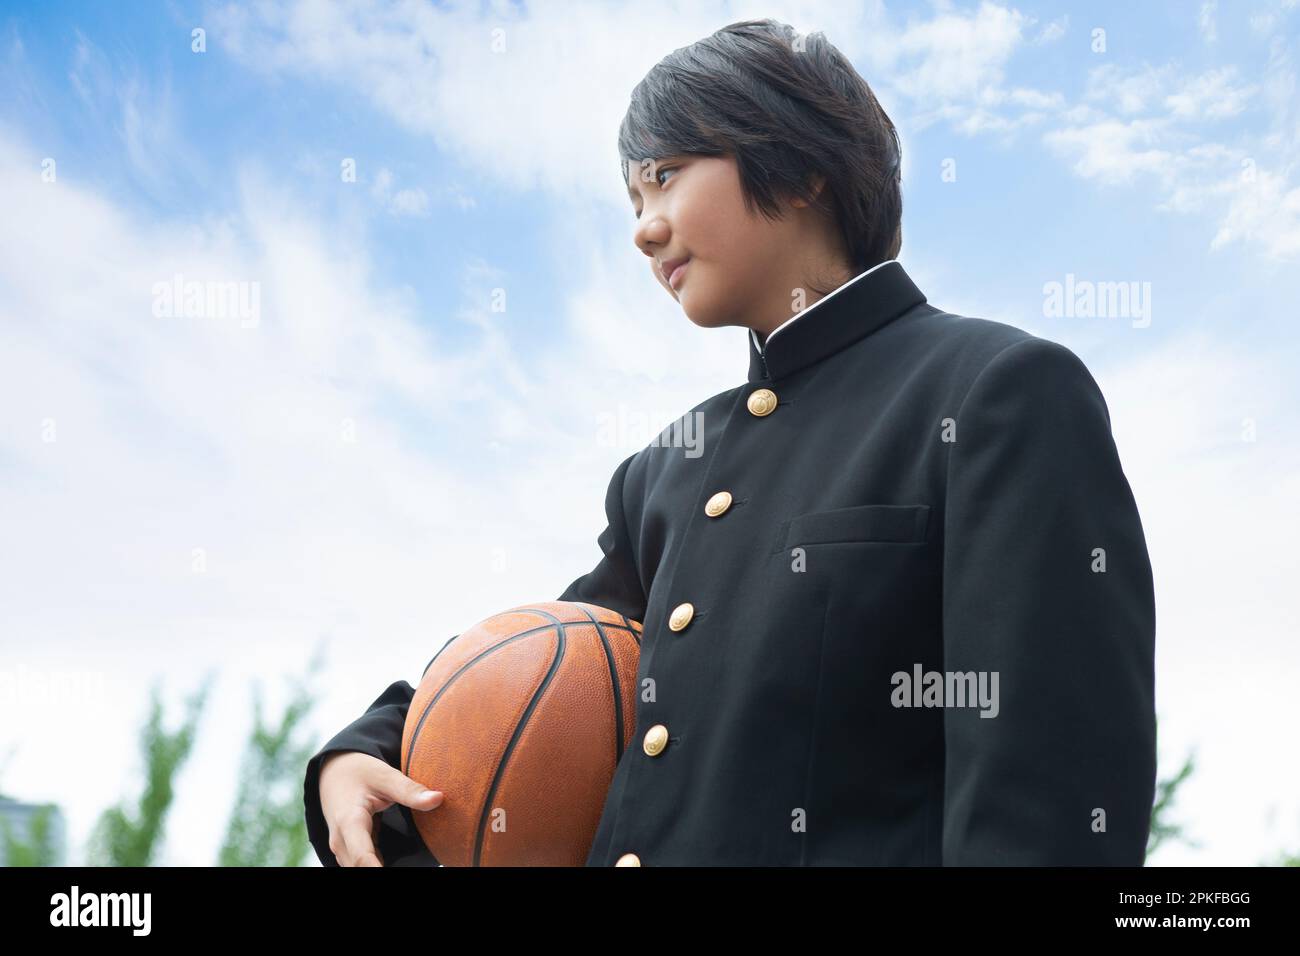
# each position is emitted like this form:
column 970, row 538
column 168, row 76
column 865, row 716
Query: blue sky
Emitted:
column 1166, row 159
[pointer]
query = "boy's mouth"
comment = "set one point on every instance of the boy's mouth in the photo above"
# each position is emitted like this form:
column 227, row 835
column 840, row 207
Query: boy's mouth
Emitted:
column 674, row 270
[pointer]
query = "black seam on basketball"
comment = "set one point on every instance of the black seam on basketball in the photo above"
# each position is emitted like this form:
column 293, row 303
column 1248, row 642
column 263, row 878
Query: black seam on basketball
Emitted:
column 519, row 729
column 435, row 656
column 410, row 750
column 560, row 627
column 613, row 681
column 475, row 659
column 636, row 635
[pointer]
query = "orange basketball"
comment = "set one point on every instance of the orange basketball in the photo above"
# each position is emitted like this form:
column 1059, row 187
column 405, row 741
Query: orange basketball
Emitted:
column 520, row 722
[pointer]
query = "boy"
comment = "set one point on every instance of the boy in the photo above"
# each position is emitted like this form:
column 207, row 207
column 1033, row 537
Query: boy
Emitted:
column 900, row 611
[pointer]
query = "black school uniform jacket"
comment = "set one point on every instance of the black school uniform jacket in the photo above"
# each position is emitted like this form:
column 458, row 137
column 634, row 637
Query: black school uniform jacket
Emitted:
column 918, row 505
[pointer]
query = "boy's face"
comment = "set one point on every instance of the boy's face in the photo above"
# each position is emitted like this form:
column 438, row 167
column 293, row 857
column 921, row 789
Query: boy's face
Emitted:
column 741, row 267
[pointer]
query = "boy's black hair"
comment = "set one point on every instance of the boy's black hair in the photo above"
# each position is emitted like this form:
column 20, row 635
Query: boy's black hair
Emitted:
column 787, row 106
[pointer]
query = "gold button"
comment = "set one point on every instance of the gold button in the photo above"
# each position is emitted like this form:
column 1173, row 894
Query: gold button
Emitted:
column 681, row 616
column 718, row 504
column 762, row 402
column 656, row 739
column 628, row 859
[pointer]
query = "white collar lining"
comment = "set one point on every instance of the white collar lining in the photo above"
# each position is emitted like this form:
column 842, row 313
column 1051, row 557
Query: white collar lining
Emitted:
column 754, row 335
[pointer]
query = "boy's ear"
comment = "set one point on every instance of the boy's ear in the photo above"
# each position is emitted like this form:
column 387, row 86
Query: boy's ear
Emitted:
column 816, row 182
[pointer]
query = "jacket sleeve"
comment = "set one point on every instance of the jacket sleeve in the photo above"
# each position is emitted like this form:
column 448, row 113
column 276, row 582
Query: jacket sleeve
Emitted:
column 613, row 583
column 377, row 732
column 1048, row 587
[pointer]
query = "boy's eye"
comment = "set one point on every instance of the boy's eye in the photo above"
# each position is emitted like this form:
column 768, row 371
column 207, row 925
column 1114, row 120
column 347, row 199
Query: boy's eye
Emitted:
column 658, row 173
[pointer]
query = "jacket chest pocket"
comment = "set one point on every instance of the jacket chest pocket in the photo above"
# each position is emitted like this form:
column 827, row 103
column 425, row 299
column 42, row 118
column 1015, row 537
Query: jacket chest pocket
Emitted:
column 867, row 581
column 873, row 563
column 883, row 524
column 848, row 597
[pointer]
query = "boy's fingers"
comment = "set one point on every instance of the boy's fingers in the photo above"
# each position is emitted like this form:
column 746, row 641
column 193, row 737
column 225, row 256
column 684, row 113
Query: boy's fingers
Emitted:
column 400, row 788
column 358, row 840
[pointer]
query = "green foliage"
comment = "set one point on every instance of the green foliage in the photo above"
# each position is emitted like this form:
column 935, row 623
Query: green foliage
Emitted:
column 267, row 826
column 125, row 837
column 39, row 851
column 1162, row 829
column 39, row 848
column 1283, row 859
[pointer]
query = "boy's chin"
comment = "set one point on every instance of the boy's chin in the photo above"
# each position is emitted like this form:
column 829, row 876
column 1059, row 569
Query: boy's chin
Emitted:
column 705, row 318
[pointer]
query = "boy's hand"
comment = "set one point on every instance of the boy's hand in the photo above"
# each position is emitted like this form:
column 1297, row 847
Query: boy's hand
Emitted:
column 354, row 787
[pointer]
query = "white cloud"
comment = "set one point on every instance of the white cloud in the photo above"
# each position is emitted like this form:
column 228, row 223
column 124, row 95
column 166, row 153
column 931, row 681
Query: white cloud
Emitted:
column 1266, row 21
column 1146, row 124
column 1250, row 204
column 1218, row 517
column 959, row 54
column 182, row 433
column 1053, row 30
column 409, row 202
column 497, row 92
column 141, row 114
column 952, row 68
column 177, row 433
column 403, row 202
column 445, row 73
column 1210, row 96
column 1113, row 151
column 1205, row 21
column 1127, row 90
column 1264, row 209
column 436, row 71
